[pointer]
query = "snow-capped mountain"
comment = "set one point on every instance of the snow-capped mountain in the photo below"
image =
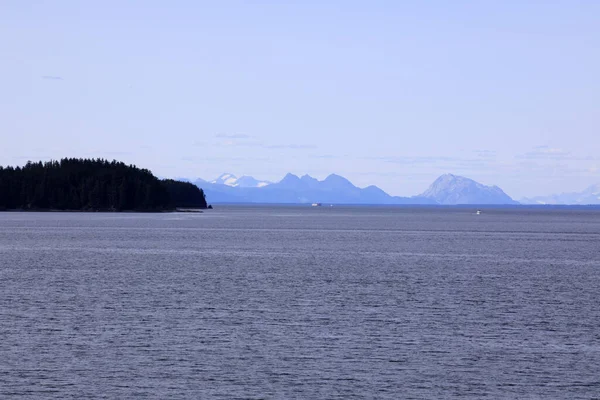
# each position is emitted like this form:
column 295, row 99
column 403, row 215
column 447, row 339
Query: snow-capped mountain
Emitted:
column 243, row 181
column 589, row 196
column 225, row 179
column 452, row 189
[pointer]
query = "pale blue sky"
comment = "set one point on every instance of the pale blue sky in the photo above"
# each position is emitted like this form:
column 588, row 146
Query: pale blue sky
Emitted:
column 392, row 93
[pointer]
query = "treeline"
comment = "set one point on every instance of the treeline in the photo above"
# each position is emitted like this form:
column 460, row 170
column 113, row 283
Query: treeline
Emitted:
column 92, row 185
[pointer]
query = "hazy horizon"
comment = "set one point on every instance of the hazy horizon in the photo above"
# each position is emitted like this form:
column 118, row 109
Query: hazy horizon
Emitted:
column 383, row 93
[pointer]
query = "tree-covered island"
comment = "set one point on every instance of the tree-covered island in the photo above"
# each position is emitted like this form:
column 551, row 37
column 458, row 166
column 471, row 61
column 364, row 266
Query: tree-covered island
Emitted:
column 93, row 185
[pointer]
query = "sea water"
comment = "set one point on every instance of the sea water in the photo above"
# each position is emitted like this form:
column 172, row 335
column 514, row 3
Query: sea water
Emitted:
column 301, row 302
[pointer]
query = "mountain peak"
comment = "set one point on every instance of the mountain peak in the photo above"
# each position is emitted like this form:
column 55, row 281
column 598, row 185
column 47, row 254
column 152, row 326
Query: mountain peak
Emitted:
column 337, row 178
column 225, row 179
column 290, row 176
column 231, row 180
column 248, row 181
column 289, row 179
column 591, row 195
column 451, row 178
column 309, row 181
column 593, row 190
column 455, row 189
column 226, row 175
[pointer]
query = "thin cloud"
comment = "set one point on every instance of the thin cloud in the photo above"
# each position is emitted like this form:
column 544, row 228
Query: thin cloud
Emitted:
column 109, row 153
column 52, row 78
column 486, row 153
column 238, row 143
column 324, row 156
column 228, row 159
column 477, row 158
column 291, row 146
column 232, row 136
column 442, row 163
column 413, row 160
column 546, row 153
column 240, row 140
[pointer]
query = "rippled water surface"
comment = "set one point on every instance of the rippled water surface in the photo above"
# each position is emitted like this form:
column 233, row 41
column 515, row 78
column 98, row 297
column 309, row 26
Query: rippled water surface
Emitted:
column 309, row 303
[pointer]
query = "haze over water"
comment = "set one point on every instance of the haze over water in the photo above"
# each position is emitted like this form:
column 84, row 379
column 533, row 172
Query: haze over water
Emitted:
column 300, row 302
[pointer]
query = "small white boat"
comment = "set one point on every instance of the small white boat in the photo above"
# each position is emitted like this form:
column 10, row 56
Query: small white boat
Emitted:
column 316, row 204
column 478, row 212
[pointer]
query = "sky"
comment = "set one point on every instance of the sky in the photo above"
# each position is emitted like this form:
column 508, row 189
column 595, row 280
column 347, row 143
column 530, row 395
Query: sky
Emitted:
column 390, row 93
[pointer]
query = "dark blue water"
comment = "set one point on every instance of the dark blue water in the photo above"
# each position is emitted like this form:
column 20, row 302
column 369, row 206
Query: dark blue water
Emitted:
column 302, row 303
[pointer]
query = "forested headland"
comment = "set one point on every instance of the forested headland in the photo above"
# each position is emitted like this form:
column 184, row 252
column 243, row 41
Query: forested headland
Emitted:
column 92, row 185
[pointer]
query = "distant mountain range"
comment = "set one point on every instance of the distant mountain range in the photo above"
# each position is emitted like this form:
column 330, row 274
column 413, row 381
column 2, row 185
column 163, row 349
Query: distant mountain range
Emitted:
column 589, row 196
column 446, row 190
